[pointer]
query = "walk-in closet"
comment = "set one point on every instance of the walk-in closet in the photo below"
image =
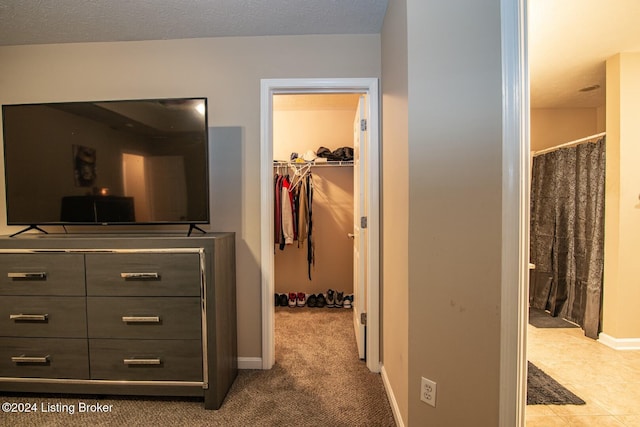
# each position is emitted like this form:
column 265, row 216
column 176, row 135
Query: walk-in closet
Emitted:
column 313, row 169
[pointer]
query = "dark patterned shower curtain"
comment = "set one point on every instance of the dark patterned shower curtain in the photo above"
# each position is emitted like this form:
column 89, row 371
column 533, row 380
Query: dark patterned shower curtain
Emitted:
column 567, row 233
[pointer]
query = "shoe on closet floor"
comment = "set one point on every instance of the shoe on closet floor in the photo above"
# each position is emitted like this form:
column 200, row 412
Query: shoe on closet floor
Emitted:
column 311, row 300
column 320, row 301
column 302, row 299
column 293, row 299
column 283, row 300
column 331, row 298
column 339, row 300
column 347, row 301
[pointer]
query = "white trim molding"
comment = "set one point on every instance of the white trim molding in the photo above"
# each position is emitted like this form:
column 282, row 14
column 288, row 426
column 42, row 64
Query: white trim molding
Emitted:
column 515, row 213
column 392, row 398
column 268, row 88
column 249, row 362
column 619, row 343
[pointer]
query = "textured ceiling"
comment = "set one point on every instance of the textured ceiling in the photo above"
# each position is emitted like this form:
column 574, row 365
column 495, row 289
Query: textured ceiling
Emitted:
column 569, row 40
column 68, row 21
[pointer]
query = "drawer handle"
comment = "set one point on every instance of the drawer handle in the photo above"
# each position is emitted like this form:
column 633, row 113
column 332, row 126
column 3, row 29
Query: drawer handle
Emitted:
column 155, row 361
column 140, row 276
column 28, row 359
column 29, row 317
column 37, row 275
column 141, row 319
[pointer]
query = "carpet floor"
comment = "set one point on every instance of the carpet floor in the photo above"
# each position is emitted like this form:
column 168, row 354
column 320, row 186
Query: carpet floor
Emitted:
column 317, row 381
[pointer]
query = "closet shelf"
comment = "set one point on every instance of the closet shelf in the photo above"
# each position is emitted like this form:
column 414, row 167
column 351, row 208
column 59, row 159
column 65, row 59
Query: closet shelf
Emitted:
column 336, row 163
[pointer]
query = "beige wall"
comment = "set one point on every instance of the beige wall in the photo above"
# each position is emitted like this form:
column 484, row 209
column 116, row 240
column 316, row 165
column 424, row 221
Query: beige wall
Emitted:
column 455, row 209
column 395, row 205
column 307, row 122
column 601, row 119
column 554, row 126
column 622, row 209
column 228, row 72
column 298, row 128
column 442, row 118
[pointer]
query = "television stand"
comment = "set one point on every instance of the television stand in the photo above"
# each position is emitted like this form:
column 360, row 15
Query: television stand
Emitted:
column 195, row 227
column 123, row 315
column 31, row 227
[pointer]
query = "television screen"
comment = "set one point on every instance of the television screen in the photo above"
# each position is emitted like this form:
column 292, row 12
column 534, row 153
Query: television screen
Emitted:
column 107, row 162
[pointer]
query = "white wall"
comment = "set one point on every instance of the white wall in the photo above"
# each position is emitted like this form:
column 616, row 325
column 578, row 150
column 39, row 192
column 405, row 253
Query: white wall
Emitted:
column 227, row 71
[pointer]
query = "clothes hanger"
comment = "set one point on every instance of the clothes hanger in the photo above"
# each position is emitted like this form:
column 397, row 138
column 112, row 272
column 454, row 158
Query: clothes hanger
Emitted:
column 300, row 172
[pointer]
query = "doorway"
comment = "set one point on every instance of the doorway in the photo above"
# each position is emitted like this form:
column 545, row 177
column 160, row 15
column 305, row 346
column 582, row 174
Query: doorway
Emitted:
column 370, row 187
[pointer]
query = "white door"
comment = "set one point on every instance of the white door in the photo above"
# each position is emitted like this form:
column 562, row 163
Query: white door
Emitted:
column 135, row 185
column 166, row 172
column 359, row 225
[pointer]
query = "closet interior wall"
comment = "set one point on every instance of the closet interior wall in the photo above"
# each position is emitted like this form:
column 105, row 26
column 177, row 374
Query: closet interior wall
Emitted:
column 302, row 123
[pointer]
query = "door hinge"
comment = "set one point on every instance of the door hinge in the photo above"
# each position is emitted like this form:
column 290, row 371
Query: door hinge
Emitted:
column 363, row 318
column 363, row 222
column 363, row 124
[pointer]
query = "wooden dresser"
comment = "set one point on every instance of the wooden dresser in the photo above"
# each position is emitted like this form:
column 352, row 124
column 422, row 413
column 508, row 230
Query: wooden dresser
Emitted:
column 140, row 314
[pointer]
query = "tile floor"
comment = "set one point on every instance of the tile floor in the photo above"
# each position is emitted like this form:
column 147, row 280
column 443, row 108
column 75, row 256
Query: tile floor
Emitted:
column 608, row 380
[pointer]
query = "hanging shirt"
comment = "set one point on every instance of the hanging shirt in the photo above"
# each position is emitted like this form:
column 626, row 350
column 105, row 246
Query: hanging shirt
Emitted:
column 277, row 217
column 295, row 203
column 310, row 242
column 287, row 212
column 303, row 212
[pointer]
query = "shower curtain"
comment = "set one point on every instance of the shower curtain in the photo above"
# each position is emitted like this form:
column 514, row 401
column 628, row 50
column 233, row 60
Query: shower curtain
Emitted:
column 567, row 233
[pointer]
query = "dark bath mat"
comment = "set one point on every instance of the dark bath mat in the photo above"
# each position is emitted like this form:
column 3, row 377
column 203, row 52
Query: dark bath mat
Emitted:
column 542, row 319
column 544, row 390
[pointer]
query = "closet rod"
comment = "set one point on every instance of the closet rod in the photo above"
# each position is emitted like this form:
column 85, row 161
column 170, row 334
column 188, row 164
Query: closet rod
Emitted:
column 568, row 144
column 334, row 163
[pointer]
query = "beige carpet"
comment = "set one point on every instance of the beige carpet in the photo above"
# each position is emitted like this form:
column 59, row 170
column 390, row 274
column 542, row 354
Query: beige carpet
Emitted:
column 317, row 381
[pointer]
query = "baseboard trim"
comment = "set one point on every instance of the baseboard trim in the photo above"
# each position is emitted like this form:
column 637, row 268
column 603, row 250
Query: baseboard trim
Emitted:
column 619, row 343
column 392, row 398
column 249, row 362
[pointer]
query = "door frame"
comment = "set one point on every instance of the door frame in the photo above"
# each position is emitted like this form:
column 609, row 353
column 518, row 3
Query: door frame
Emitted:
column 515, row 213
column 268, row 88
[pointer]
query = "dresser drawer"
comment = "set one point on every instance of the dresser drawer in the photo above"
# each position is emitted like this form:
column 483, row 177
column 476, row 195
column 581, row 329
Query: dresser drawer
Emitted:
column 44, row 358
column 141, row 317
column 42, row 274
column 43, row 317
column 143, row 274
column 168, row 360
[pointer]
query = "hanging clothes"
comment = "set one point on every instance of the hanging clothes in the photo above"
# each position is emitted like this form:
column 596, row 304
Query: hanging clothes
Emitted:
column 310, row 242
column 277, row 217
column 293, row 199
column 303, row 212
column 287, row 212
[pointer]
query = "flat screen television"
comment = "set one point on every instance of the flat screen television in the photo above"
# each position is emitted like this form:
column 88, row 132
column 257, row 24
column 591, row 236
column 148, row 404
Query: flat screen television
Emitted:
column 107, row 162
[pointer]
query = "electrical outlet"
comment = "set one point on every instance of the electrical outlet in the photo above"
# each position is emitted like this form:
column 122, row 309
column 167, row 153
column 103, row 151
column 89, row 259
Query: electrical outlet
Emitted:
column 428, row 391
